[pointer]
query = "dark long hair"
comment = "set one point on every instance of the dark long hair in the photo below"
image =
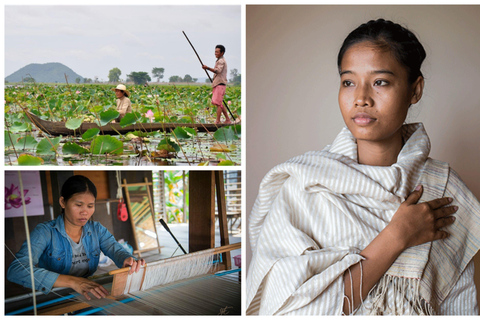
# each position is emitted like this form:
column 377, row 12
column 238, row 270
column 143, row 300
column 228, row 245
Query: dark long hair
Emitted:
column 77, row 184
column 401, row 42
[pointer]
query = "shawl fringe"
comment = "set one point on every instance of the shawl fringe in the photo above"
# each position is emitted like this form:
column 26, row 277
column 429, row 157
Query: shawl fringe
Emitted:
column 402, row 288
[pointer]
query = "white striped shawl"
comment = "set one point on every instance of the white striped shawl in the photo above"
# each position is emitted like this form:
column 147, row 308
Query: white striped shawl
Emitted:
column 316, row 212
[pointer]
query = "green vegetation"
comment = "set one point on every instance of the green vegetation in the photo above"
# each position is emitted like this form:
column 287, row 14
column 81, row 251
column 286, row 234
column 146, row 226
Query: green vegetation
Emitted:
column 177, row 197
column 187, row 79
column 80, row 103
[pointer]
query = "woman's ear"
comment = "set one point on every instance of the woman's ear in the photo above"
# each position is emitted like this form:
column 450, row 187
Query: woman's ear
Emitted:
column 62, row 202
column 417, row 90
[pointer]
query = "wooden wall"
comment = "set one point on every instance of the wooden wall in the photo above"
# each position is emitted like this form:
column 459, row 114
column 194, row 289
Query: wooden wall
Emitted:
column 201, row 231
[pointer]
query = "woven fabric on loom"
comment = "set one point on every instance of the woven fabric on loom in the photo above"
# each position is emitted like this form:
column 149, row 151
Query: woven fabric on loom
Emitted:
column 204, row 295
column 170, row 270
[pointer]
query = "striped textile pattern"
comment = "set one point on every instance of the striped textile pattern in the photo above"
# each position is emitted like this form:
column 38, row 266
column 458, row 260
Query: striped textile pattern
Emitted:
column 316, row 212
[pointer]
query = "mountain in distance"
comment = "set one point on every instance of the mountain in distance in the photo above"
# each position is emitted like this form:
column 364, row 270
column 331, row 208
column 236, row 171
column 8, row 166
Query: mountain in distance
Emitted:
column 52, row 72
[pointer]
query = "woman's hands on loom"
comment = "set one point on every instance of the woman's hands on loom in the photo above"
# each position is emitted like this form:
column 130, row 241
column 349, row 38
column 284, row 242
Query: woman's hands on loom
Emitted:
column 134, row 265
column 82, row 286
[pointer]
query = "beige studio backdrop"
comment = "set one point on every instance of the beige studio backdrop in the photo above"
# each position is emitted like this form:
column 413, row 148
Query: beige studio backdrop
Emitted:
column 292, row 83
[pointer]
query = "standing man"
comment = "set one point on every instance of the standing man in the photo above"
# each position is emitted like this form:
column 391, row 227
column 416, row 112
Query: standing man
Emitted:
column 219, row 83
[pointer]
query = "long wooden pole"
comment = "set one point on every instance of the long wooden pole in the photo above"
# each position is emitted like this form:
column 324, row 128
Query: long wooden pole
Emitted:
column 224, row 103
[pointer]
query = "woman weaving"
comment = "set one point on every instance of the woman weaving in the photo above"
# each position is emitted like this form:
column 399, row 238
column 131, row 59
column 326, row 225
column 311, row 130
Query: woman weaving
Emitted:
column 370, row 224
column 67, row 250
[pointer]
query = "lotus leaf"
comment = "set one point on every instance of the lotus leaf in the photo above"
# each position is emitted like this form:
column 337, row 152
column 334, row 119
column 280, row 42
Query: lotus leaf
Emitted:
column 129, row 119
column 74, row 123
column 19, row 127
column 225, row 134
column 141, row 133
column 238, row 129
column 10, row 138
column 90, row 133
column 25, row 143
column 97, row 109
column 226, row 163
column 45, row 146
column 106, row 144
column 28, row 160
column 221, row 156
column 108, row 115
column 168, row 144
column 184, row 133
column 73, row 148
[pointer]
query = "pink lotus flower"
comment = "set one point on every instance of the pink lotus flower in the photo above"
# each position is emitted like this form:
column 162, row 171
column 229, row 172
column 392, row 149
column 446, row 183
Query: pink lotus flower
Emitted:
column 13, row 197
column 149, row 96
column 77, row 92
column 229, row 102
column 150, row 115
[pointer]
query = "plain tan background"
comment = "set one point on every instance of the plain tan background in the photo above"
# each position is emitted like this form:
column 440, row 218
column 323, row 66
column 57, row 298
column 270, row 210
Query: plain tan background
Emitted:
column 292, row 83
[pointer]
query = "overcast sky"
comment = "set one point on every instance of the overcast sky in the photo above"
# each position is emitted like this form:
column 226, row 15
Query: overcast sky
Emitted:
column 91, row 40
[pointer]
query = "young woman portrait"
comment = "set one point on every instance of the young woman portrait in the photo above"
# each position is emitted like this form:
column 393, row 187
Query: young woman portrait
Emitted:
column 371, row 221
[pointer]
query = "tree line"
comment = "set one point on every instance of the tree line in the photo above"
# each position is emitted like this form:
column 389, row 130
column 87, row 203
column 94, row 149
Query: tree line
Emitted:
column 142, row 77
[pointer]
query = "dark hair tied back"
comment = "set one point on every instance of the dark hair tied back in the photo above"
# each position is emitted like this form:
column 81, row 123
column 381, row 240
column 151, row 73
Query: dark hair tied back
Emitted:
column 401, row 42
column 77, row 184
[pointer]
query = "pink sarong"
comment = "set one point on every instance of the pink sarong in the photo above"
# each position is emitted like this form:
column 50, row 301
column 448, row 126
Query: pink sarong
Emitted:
column 217, row 95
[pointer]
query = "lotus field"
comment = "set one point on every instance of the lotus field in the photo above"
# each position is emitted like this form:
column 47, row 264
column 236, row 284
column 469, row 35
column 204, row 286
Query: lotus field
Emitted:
column 26, row 144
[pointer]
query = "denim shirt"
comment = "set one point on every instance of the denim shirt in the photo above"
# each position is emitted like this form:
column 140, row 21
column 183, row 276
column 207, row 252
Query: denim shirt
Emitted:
column 52, row 253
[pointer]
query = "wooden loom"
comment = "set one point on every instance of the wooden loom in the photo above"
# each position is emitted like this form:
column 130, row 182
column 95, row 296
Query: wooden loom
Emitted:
column 126, row 300
column 121, row 276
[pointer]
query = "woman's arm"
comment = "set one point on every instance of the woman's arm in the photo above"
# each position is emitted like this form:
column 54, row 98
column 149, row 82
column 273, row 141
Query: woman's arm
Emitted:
column 45, row 280
column 81, row 285
column 116, row 251
column 19, row 270
column 413, row 224
column 110, row 247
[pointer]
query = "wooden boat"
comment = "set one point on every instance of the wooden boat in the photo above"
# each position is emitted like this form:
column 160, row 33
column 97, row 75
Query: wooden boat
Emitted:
column 56, row 128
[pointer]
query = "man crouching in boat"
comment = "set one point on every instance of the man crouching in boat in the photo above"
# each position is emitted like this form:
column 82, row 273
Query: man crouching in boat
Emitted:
column 124, row 105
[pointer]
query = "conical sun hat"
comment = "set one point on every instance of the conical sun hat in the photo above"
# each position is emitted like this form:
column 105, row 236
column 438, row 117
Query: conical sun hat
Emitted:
column 123, row 88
